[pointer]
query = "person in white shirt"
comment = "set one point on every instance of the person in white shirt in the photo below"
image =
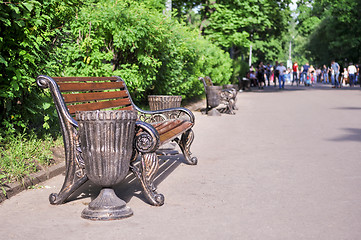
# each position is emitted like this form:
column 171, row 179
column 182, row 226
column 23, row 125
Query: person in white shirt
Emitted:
column 282, row 71
column 352, row 74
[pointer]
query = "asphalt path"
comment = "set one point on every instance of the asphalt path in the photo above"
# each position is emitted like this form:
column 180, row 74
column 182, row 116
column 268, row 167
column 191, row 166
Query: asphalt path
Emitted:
column 286, row 166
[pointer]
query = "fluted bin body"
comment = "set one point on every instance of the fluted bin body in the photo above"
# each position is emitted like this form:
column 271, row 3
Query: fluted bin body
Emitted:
column 213, row 100
column 106, row 142
column 158, row 102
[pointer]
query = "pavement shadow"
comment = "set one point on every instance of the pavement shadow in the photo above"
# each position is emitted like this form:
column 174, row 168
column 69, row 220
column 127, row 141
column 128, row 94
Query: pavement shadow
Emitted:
column 131, row 187
column 348, row 108
column 353, row 134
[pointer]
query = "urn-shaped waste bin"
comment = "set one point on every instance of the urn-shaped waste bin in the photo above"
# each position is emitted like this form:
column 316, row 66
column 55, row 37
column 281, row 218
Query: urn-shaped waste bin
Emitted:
column 213, row 100
column 158, row 102
column 106, row 139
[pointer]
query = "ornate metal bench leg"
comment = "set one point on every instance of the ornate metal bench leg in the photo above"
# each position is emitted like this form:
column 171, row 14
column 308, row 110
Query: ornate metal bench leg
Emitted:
column 232, row 106
column 185, row 144
column 75, row 175
column 146, row 172
column 68, row 188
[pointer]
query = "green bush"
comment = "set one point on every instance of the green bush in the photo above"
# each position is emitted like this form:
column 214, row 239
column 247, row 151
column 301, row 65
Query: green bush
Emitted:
column 29, row 33
column 152, row 53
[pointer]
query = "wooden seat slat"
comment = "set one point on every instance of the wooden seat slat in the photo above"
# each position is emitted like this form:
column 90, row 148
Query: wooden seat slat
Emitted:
column 89, row 86
column 168, row 125
column 91, row 96
column 99, row 105
column 171, row 133
column 130, row 107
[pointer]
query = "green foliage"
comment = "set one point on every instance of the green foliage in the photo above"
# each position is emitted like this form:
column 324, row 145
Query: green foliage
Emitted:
column 154, row 54
column 330, row 30
column 29, row 31
column 236, row 25
column 240, row 69
column 22, row 155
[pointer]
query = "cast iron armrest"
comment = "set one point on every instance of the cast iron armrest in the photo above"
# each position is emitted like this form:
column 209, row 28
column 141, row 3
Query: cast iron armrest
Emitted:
column 165, row 114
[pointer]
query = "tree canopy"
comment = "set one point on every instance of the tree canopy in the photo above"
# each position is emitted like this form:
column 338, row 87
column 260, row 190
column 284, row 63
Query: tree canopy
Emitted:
column 330, row 30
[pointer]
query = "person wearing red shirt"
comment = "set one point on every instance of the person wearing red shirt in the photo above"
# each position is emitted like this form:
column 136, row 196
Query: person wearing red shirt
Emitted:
column 295, row 73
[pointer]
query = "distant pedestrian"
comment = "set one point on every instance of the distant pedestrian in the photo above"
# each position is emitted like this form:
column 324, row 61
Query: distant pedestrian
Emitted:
column 352, row 74
column 344, row 77
column 268, row 73
column 336, row 68
column 276, row 74
column 305, row 72
column 312, row 74
column 325, row 71
column 260, row 75
column 295, row 73
column 332, row 77
column 281, row 79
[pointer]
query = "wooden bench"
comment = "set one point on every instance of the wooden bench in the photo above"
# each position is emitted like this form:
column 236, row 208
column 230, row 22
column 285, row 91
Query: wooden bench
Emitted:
column 227, row 96
column 153, row 129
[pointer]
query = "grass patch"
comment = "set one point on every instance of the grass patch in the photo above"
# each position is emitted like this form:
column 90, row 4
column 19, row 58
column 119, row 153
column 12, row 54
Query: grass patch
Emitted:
column 22, row 155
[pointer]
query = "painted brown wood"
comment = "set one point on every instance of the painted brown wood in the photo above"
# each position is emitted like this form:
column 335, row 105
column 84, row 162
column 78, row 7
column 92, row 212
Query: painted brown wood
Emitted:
column 91, row 96
column 89, row 86
column 99, row 105
column 83, row 79
column 168, row 126
column 171, row 133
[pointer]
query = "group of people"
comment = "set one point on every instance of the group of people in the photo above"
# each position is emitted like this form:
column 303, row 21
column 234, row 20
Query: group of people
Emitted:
column 307, row 74
column 267, row 73
column 338, row 78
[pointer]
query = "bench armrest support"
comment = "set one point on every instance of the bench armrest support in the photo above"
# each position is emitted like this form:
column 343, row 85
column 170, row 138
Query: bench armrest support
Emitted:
column 147, row 138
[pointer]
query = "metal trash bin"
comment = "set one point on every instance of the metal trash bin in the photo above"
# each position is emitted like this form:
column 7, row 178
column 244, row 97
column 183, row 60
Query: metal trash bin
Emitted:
column 213, row 100
column 159, row 102
column 106, row 141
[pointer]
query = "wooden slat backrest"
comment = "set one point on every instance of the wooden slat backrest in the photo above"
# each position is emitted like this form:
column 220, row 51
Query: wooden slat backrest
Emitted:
column 94, row 93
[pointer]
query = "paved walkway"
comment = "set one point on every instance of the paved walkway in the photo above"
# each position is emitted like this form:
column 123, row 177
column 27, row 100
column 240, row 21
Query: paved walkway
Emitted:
column 286, row 166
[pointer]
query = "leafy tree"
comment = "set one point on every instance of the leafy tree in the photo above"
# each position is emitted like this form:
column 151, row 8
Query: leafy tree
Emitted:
column 234, row 25
column 331, row 30
column 29, row 32
column 153, row 53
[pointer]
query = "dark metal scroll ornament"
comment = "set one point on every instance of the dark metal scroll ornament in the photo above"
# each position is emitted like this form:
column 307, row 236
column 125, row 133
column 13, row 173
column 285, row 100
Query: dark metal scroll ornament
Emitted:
column 146, row 143
column 227, row 98
column 184, row 143
column 165, row 114
column 232, row 88
column 75, row 176
column 107, row 145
